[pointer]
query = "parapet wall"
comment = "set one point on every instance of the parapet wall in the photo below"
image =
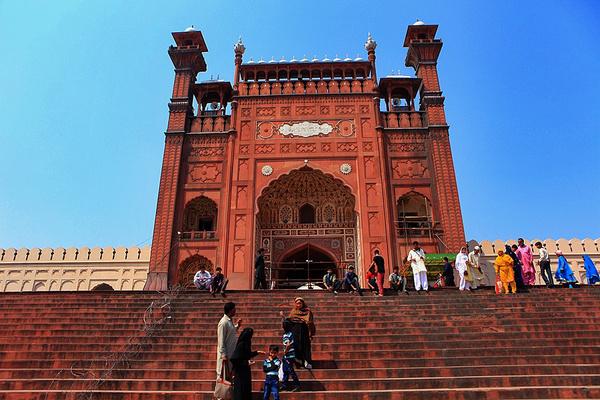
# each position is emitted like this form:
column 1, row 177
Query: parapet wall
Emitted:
column 126, row 268
column 59, row 269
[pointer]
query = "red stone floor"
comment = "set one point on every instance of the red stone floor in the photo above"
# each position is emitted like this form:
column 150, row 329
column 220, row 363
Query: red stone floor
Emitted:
column 445, row 345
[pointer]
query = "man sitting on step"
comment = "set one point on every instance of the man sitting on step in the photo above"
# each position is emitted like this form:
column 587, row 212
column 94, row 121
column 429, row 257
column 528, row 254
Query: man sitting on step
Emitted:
column 330, row 281
column 202, row 279
column 351, row 281
column 218, row 282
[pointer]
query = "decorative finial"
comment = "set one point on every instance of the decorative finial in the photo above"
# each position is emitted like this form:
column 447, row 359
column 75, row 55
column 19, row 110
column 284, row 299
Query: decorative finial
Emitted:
column 190, row 28
column 370, row 44
column 419, row 22
column 239, row 47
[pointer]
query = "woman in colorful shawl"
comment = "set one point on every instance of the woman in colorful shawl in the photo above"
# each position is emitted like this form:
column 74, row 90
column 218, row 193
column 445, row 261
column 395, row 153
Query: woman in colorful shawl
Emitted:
column 516, row 267
column 242, row 374
column 564, row 273
column 590, row 270
column 504, row 269
column 303, row 329
column 525, row 255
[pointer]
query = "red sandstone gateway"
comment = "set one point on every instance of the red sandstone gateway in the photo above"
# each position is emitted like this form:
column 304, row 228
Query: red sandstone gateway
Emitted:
column 307, row 165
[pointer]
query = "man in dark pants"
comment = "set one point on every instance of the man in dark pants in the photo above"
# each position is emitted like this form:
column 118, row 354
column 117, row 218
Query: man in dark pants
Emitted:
column 545, row 265
column 260, row 278
column 379, row 265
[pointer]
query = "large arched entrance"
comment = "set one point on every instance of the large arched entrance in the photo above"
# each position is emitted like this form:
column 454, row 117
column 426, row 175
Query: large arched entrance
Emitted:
column 306, row 214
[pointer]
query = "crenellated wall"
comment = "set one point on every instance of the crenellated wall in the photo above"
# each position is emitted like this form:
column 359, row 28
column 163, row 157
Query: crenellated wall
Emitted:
column 60, row 269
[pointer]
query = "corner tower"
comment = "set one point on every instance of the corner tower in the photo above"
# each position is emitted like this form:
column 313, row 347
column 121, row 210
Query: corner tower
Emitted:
column 423, row 52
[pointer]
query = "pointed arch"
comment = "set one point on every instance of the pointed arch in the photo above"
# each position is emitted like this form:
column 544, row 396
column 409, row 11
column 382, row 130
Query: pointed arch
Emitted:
column 189, row 267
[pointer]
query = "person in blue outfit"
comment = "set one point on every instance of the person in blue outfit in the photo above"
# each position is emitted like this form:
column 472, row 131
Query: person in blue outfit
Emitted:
column 564, row 273
column 289, row 357
column 590, row 270
column 271, row 368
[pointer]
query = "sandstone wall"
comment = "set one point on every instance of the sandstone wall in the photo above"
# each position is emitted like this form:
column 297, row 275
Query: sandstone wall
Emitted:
column 59, row 269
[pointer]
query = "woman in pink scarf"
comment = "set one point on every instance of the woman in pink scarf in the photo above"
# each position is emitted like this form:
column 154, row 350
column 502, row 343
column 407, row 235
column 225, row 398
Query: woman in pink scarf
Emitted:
column 526, row 257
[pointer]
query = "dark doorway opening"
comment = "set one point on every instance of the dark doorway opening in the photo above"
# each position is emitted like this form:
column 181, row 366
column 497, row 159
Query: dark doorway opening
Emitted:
column 293, row 270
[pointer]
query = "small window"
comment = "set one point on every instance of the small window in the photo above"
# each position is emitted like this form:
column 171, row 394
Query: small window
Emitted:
column 307, row 214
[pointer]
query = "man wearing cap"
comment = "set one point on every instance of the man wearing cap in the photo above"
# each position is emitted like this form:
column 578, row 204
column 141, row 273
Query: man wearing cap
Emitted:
column 474, row 268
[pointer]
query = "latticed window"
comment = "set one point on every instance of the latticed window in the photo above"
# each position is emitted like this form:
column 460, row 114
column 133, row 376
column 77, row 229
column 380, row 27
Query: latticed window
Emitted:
column 285, row 214
column 329, row 213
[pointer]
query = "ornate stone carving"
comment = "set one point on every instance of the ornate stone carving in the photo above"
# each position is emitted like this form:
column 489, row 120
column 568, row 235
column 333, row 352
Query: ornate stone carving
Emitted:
column 324, row 110
column 263, row 149
column 265, row 111
column 244, row 149
column 345, row 168
column 266, row 170
column 305, row 129
column 246, row 112
column 325, row 147
column 285, row 111
column 265, row 130
column 305, row 110
column 284, row 148
column 346, row 128
column 347, row 147
column 368, row 146
column 205, row 173
column 364, row 109
column 344, row 110
column 403, row 169
column 406, row 147
column 306, row 147
column 203, row 152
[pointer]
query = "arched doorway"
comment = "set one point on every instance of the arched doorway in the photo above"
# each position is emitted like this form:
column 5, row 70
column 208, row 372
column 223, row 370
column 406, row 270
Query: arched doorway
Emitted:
column 189, row 267
column 294, row 269
column 306, row 213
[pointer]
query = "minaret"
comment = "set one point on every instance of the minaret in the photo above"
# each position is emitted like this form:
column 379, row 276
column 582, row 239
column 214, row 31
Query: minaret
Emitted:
column 188, row 60
column 423, row 52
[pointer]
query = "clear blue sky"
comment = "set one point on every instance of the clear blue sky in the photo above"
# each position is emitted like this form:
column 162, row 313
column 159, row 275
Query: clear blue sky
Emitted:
column 85, row 86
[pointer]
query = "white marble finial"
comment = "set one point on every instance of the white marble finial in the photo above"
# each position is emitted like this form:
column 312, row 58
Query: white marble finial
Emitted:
column 239, row 47
column 370, row 44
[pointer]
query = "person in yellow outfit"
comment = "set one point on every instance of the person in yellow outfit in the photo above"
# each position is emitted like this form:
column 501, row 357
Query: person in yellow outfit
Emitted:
column 504, row 267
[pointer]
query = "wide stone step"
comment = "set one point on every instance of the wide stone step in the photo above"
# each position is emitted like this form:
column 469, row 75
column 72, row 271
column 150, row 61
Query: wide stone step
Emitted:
column 523, row 392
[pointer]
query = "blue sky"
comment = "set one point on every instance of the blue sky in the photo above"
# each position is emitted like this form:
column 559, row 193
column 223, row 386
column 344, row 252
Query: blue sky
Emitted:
column 85, row 86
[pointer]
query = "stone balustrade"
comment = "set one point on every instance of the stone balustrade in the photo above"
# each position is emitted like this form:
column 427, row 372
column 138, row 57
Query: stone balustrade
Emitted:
column 403, row 119
column 210, row 123
column 320, row 86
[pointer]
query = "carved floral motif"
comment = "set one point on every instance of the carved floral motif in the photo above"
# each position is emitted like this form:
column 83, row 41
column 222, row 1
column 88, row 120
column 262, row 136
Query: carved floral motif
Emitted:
column 205, row 173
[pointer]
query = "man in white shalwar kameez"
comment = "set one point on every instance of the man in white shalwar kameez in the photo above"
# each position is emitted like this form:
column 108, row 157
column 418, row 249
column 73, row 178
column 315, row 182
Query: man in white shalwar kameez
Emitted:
column 416, row 257
column 226, row 338
column 461, row 266
column 474, row 268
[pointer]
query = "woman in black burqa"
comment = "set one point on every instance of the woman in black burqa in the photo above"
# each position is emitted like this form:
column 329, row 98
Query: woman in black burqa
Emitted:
column 242, row 375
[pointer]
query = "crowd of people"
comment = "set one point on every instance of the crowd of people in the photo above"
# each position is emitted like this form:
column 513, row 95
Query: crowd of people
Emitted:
column 235, row 354
column 514, row 269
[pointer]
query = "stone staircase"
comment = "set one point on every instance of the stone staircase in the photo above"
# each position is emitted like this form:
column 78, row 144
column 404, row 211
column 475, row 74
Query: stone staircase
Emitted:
column 446, row 345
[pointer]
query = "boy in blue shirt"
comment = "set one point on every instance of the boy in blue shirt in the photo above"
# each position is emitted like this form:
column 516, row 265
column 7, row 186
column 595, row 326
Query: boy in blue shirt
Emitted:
column 289, row 356
column 271, row 368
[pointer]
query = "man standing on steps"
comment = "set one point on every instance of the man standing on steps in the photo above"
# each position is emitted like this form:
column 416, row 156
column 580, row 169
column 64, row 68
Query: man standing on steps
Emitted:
column 416, row 257
column 379, row 264
column 226, row 338
column 260, row 277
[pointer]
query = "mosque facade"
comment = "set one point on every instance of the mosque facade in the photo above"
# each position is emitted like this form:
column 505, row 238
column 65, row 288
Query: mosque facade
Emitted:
column 319, row 162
